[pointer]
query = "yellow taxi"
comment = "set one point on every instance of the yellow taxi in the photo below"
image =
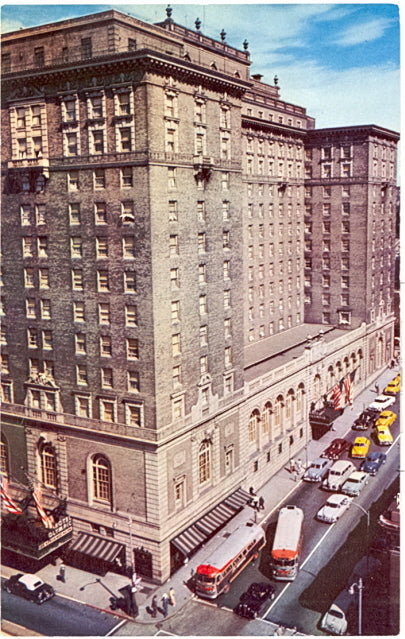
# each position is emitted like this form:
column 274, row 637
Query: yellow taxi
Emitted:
column 384, row 437
column 360, row 447
column 393, row 387
column 386, row 418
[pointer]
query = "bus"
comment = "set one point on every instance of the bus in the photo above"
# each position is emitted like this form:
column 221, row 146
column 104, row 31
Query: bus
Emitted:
column 228, row 560
column 287, row 543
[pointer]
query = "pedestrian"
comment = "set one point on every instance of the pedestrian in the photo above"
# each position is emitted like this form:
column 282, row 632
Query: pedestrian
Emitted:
column 377, row 388
column 62, row 572
column 154, row 606
column 252, row 491
column 292, row 465
column 165, row 604
column 172, row 597
column 261, row 503
column 255, row 502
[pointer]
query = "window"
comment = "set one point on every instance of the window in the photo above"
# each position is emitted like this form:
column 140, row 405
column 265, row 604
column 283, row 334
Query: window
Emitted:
column 175, row 311
column 98, row 179
column 28, row 247
column 171, row 177
column 133, row 381
column 176, row 375
column 134, row 415
column 345, row 281
column 123, row 103
column 326, row 170
column 71, row 144
column 131, row 315
column 77, row 279
column 69, row 110
column 253, row 425
column 173, row 245
column 227, row 270
column 226, row 239
column 178, row 408
column 174, row 278
column 201, row 211
column 81, row 374
column 204, row 462
column 45, row 309
column 102, row 281
column 225, row 181
column 76, row 249
column 345, row 226
column 29, row 280
column 86, row 48
column 203, row 364
column 78, row 312
column 202, row 245
column 227, row 299
column 176, row 344
column 95, row 107
column 48, row 465
column 47, row 343
column 326, row 280
column 42, row 246
column 97, row 139
column 346, row 208
column 80, row 343
column 39, row 56
column 125, row 139
column 26, row 215
column 127, row 179
column 173, row 213
column 203, row 304
column 105, row 346
column 102, row 247
column 228, row 356
column 128, row 247
column 107, row 410
column 179, row 493
column 100, row 212
column 32, row 336
column 106, row 378
column 203, row 335
column 346, row 170
column 131, row 44
column 82, row 406
column 132, row 348
column 6, row 62
column 101, row 469
column 225, row 210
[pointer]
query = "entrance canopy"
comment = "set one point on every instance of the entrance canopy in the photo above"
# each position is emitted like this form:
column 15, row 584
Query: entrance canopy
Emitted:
column 97, row 547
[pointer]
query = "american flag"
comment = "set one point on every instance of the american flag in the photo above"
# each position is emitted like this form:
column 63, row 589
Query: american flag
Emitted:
column 8, row 503
column 348, row 385
column 46, row 520
column 337, row 397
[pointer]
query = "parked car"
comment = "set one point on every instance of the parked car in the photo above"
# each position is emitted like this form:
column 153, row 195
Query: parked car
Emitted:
column 382, row 402
column 251, row 601
column 30, row 587
column 334, row 508
column 318, row 469
column 360, row 447
column 336, row 448
column 334, row 621
column 355, row 483
column 386, row 418
column 373, row 462
column 383, row 436
column 366, row 419
column 392, row 388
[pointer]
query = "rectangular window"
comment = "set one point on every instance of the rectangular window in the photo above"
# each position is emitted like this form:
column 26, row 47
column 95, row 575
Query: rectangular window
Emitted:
column 132, row 348
column 100, row 213
column 69, row 110
column 43, row 278
column 225, row 210
column 171, row 177
column 134, row 415
column 42, row 246
column 77, row 279
column 130, row 282
column 203, row 335
column 45, row 309
column 176, row 344
column 101, row 247
column 107, row 412
column 202, row 246
column 131, row 315
column 127, row 179
column 32, row 336
column 81, row 374
column 225, row 181
column 86, row 48
column 80, row 344
column 104, row 313
column 82, row 406
column 127, row 211
column 128, row 247
column 106, row 378
column 98, row 179
column 124, row 103
column 228, row 356
column 78, row 312
column 131, row 44
column 26, row 215
column 227, row 270
column 226, row 239
column 105, row 346
column 71, row 146
column 203, row 304
column 39, row 56
column 133, row 381
column 29, row 277
column 175, row 310
column 174, row 278
column 201, row 211
column 98, row 141
column 227, row 299
column 125, row 139
column 28, row 247
column 203, row 364
column 102, row 281
column 76, row 248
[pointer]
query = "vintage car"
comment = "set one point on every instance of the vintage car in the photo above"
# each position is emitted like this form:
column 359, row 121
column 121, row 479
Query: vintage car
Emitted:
column 382, row 402
column 334, row 508
column 383, row 435
column 251, row 601
column 336, row 448
column 360, row 447
column 334, row 621
column 386, row 418
column 355, row 483
column 373, row 462
column 366, row 419
column 393, row 387
column 317, row 470
column 30, row 587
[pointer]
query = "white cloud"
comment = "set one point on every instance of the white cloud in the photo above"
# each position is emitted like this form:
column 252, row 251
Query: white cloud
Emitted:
column 365, row 32
column 10, row 25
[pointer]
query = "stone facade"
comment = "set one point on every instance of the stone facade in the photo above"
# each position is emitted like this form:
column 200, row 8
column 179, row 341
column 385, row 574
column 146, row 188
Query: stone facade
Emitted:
column 154, row 229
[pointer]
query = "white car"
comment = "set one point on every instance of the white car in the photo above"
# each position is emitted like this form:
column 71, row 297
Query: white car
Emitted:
column 334, row 508
column 334, row 621
column 382, row 402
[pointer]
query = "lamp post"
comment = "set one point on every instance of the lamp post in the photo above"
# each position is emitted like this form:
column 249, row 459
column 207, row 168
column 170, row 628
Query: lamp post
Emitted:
column 359, row 587
column 368, row 526
column 135, row 581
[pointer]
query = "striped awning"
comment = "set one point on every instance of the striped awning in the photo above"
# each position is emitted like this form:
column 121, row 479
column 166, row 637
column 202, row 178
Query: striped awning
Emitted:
column 97, row 547
column 195, row 535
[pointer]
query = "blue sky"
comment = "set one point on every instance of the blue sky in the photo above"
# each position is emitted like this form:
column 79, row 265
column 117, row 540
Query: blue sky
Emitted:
column 340, row 61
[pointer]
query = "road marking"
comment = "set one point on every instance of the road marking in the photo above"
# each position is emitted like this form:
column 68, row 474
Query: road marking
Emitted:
column 121, row 623
column 273, row 603
column 317, row 545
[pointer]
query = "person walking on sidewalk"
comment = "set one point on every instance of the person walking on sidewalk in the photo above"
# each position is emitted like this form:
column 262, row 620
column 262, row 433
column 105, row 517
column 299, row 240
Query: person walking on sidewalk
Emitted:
column 172, row 597
column 62, row 572
column 261, row 503
column 165, row 604
column 154, row 606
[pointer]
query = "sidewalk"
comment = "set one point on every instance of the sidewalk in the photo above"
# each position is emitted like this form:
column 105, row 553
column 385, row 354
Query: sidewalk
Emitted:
column 96, row 591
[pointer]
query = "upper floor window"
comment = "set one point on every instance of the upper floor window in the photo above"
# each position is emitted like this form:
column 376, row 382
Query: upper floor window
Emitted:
column 86, row 48
column 48, row 465
column 101, row 471
column 204, row 462
column 39, row 56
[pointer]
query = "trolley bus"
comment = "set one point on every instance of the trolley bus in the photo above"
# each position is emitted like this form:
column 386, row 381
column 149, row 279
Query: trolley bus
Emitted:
column 287, row 543
column 228, row 560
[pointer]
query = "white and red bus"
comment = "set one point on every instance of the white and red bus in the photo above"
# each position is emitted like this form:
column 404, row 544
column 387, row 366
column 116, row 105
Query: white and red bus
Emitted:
column 228, row 560
column 286, row 549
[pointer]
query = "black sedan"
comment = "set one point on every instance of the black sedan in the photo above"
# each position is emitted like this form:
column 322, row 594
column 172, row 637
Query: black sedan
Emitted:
column 30, row 587
column 373, row 462
column 251, row 601
column 366, row 419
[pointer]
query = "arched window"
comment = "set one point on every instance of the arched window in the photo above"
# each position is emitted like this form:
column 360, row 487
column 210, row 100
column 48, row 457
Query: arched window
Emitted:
column 3, row 457
column 278, row 415
column 359, row 368
column 204, row 462
column 299, row 406
column 289, row 406
column 331, row 377
column 253, row 424
column 47, row 459
column 379, row 352
column 101, row 479
column 347, row 364
column 338, row 368
column 266, row 417
column 316, row 393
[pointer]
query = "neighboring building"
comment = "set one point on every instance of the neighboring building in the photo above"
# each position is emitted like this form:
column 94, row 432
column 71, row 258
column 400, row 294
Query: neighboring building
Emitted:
column 155, row 360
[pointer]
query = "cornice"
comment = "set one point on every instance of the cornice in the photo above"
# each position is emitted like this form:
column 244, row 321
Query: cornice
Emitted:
column 353, row 131
column 266, row 126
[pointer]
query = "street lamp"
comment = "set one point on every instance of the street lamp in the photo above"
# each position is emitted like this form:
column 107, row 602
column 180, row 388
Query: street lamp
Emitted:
column 368, row 526
column 352, row 591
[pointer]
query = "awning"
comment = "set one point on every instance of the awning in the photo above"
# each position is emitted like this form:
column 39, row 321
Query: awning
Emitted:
column 97, row 547
column 193, row 537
